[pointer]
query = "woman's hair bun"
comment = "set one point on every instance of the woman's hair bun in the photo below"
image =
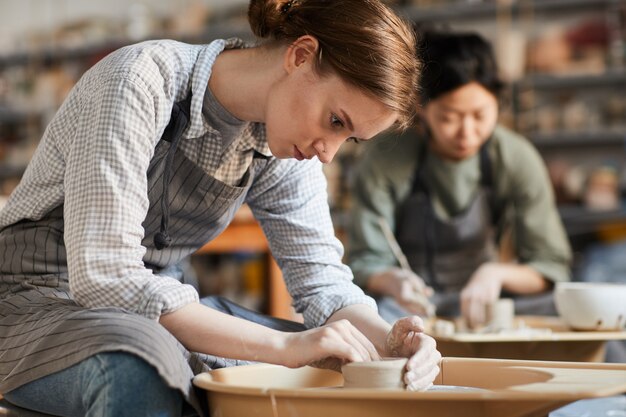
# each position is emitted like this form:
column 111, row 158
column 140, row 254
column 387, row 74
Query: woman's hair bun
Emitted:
column 267, row 17
column 364, row 42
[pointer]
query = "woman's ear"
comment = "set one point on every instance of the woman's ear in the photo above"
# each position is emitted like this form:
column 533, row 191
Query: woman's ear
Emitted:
column 302, row 51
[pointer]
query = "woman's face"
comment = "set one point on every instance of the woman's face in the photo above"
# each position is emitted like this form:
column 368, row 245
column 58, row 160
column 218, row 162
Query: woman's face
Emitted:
column 308, row 115
column 461, row 121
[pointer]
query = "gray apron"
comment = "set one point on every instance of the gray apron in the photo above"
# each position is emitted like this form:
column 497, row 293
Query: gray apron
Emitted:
column 445, row 253
column 44, row 331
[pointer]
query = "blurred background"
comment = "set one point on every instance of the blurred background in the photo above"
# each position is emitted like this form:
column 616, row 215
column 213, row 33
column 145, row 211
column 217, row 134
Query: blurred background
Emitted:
column 563, row 60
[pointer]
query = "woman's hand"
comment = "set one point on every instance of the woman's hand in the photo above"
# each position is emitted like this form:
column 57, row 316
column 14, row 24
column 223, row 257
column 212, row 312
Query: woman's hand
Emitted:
column 489, row 280
column 407, row 339
column 408, row 289
column 329, row 346
column 482, row 289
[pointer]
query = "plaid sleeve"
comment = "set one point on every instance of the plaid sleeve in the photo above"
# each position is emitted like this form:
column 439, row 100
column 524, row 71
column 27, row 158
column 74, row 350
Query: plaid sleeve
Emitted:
column 290, row 202
column 106, row 201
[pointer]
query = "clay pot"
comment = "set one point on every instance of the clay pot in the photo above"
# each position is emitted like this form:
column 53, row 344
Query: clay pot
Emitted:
column 387, row 373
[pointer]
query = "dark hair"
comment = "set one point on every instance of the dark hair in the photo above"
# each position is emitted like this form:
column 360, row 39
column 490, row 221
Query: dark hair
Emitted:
column 363, row 41
column 451, row 60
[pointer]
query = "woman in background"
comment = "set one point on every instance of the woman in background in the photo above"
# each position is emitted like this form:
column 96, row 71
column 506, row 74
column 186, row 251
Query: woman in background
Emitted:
column 148, row 159
column 448, row 188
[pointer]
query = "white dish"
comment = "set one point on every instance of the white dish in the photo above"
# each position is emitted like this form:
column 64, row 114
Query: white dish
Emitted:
column 591, row 305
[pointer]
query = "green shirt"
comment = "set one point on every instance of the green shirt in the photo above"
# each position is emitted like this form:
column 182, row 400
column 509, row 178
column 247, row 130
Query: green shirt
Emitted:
column 384, row 177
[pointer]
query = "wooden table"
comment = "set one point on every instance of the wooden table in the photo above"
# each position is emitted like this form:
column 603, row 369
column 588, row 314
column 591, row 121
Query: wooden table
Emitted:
column 558, row 344
column 247, row 236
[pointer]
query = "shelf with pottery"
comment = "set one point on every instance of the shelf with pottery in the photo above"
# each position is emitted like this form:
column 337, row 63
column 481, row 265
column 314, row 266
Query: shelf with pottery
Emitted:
column 11, row 171
column 560, row 139
column 52, row 54
column 579, row 220
column 488, row 10
column 613, row 77
column 22, row 125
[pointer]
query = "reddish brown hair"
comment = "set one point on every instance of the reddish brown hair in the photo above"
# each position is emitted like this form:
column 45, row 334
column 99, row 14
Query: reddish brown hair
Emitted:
column 363, row 41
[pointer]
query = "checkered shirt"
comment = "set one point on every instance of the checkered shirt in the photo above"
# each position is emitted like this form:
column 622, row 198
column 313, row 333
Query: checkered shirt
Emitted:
column 93, row 159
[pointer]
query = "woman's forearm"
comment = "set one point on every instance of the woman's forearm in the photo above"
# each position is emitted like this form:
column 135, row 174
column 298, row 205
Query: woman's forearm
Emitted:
column 203, row 329
column 522, row 279
column 367, row 320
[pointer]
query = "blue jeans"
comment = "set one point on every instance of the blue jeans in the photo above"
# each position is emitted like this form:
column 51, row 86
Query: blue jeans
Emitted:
column 115, row 384
column 120, row 384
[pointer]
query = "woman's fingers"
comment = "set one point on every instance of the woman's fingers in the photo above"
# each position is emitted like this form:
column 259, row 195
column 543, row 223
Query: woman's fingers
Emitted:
column 414, row 302
column 401, row 338
column 336, row 340
column 413, row 295
column 342, row 340
column 420, row 286
column 408, row 324
column 426, row 352
column 366, row 343
column 473, row 308
column 353, row 336
column 417, row 383
column 423, row 366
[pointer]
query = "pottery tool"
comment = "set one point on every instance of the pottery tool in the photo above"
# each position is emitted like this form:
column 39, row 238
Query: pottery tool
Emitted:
column 421, row 298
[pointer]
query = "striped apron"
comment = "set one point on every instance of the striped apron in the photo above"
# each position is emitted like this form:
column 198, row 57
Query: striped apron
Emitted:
column 446, row 252
column 42, row 330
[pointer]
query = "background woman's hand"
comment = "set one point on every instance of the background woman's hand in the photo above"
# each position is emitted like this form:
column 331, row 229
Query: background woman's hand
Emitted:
column 408, row 289
column 407, row 339
column 329, row 346
column 482, row 289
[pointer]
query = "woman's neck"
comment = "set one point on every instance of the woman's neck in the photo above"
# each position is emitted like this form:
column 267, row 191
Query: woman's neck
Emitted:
column 241, row 80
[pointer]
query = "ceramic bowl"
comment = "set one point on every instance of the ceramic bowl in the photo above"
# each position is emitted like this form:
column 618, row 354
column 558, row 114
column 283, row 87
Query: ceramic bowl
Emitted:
column 591, row 305
column 387, row 373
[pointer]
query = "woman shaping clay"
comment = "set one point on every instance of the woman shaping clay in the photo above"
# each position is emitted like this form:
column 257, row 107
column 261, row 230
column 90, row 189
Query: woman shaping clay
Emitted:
column 448, row 188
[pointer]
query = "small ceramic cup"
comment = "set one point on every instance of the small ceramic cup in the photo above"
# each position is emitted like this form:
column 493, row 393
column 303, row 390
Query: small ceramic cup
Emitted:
column 388, row 373
column 500, row 314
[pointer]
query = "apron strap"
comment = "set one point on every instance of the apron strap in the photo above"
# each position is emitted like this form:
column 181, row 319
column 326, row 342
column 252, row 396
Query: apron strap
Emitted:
column 430, row 238
column 487, row 182
column 419, row 186
column 172, row 133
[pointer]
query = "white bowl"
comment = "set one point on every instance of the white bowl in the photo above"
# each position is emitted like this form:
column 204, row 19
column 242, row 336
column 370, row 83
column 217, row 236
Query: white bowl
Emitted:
column 591, row 305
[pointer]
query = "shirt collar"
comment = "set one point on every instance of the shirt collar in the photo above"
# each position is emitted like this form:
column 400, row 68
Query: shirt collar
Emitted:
column 255, row 138
column 200, row 80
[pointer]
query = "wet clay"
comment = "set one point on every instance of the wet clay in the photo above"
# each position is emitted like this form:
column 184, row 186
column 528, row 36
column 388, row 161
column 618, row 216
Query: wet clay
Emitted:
column 387, row 373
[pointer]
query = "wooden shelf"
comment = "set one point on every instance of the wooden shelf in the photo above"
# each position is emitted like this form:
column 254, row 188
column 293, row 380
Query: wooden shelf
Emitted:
column 580, row 220
column 611, row 78
column 564, row 5
column 59, row 54
column 11, row 171
column 578, row 139
column 10, row 116
column 448, row 12
column 488, row 10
